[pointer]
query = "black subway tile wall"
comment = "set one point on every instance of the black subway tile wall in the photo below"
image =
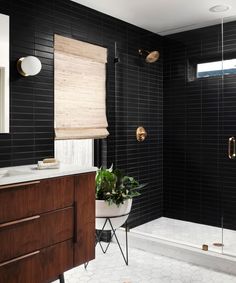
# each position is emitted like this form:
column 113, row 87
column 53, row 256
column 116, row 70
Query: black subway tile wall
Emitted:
column 134, row 92
column 191, row 130
column 199, row 117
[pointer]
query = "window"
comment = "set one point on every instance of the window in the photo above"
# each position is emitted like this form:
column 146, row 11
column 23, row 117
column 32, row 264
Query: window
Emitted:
column 80, row 99
column 79, row 152
column 214, row 69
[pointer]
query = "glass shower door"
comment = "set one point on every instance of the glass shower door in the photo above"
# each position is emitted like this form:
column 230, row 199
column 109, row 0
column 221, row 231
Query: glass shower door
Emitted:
column 228, row 158
column 193, row 87
column 210, row 79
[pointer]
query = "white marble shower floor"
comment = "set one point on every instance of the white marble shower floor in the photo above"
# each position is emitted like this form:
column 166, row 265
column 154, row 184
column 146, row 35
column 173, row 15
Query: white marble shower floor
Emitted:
column 189, row 233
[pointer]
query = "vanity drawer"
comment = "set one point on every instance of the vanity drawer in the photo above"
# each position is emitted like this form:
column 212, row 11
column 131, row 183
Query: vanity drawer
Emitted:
column 27, row 199
column 29, row 234
column 39, row 266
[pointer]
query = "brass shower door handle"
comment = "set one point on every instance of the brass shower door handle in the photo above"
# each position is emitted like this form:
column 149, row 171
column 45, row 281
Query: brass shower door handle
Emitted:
column 231, row 148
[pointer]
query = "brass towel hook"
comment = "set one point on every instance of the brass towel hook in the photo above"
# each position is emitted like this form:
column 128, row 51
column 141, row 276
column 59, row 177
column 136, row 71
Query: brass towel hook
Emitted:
column 141, row 134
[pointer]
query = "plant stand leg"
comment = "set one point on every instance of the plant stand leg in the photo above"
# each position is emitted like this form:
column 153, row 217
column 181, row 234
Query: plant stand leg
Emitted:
column 61, row 278
column 126, row 237
column 98, row 238
column 104, row 250
column 86, row 264
column 126, row 242
column 98, row 241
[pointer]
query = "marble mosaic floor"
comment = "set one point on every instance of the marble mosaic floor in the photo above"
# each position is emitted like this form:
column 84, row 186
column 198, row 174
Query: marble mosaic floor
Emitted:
column 190, row 233
column 143, row 268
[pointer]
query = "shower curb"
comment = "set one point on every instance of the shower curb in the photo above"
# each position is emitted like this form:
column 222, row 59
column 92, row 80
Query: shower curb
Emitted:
column 207, row 259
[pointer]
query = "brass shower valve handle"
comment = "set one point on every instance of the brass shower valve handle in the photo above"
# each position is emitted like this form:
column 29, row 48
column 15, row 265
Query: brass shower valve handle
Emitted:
column 141, row 134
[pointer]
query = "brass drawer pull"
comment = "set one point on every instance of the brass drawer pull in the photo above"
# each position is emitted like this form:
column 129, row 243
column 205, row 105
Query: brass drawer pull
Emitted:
column 231, row 148
column 19, row 258
column 19, row 221
column 19, row 185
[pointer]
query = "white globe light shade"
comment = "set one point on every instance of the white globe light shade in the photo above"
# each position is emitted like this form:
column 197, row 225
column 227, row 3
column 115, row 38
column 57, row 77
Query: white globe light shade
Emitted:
column 29, row 66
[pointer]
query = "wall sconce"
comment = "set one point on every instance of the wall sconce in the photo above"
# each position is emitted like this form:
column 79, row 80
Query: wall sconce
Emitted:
column 141, row 134
column 29, row 66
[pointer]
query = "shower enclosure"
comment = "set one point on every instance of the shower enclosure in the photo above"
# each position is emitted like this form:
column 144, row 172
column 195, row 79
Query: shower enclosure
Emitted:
column 199, row 139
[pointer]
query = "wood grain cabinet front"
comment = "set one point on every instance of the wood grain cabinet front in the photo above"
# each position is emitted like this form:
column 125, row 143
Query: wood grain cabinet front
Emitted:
column 39, row 266
column 23, row 200
column 46, row 227
column 35, row 233
column 84, row 250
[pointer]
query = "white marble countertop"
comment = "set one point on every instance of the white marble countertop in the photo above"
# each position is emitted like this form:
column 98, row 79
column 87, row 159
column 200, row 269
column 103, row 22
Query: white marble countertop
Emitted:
column 28, row 173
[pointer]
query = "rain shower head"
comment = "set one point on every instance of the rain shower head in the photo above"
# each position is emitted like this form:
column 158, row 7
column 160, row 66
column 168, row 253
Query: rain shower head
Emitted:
column 150, row 56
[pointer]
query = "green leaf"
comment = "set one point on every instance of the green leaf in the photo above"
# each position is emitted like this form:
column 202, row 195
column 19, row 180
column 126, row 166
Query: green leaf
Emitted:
column 115, row 187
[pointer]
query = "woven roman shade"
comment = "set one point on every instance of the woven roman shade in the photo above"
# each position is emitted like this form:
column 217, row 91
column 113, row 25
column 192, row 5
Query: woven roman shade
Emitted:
column 80, row 89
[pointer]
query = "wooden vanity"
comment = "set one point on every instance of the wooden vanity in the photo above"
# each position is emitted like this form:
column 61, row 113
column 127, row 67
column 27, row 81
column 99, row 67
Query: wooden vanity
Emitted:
column 47, row 226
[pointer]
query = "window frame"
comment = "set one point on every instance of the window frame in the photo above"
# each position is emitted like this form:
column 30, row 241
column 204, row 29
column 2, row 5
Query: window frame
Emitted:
column 193, row 62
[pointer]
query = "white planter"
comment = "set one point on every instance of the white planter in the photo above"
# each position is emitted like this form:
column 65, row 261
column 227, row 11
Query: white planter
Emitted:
column 103, row 209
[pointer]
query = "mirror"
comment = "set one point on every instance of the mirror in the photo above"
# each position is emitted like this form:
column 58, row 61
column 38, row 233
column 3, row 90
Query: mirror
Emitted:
column 4, row 73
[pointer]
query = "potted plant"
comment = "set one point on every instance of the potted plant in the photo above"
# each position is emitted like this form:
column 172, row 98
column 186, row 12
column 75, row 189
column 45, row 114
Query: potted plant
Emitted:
column 114, row 194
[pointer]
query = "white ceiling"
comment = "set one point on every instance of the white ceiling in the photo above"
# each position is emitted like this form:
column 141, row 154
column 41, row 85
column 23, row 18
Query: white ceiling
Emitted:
column 163, row 16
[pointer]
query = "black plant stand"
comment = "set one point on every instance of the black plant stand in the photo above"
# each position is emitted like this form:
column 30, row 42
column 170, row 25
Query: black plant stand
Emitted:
column 98, row 237
column 61, row 278
column 98, row 241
